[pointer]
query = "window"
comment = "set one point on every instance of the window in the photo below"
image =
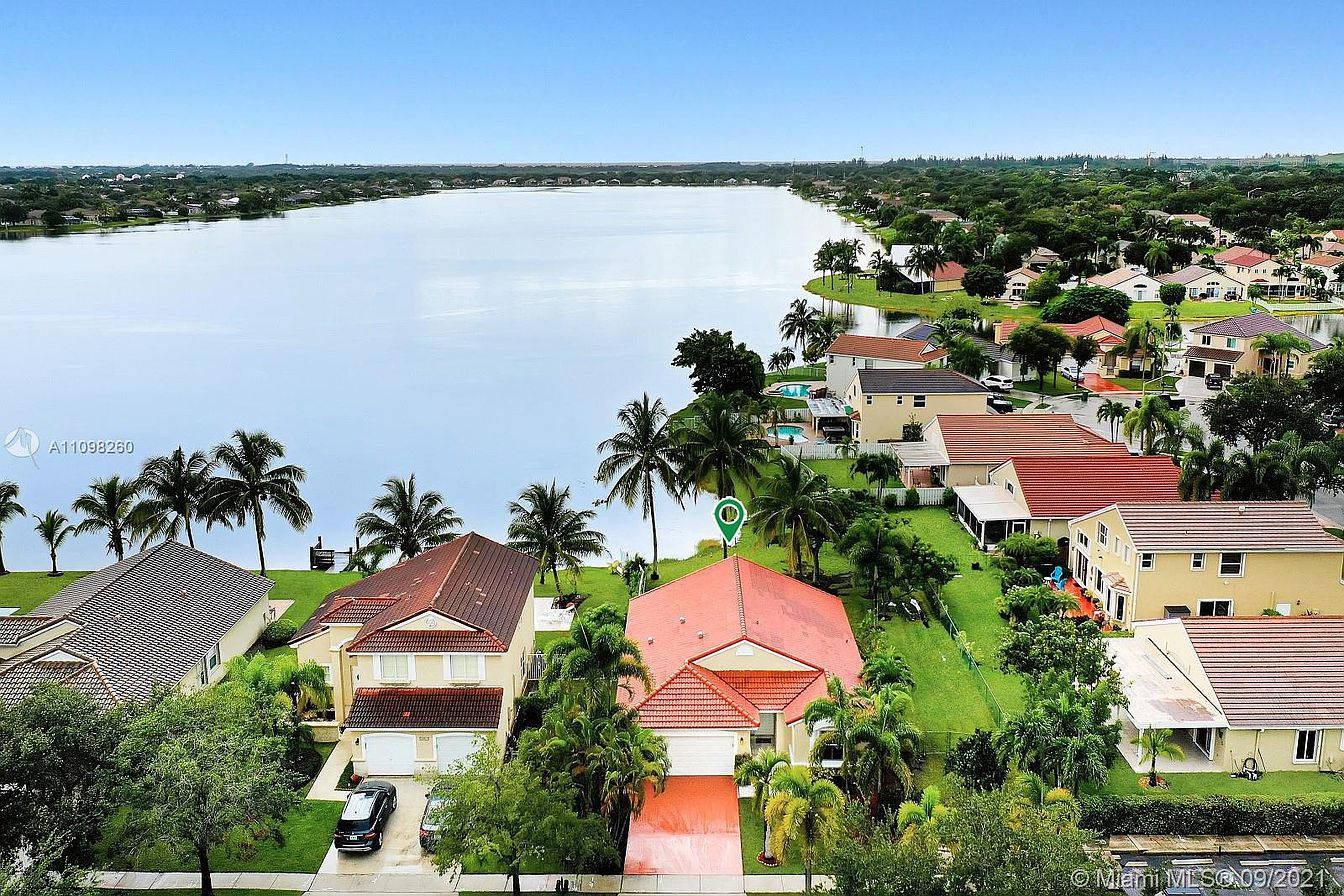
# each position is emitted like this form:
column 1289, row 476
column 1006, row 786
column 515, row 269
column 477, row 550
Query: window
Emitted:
column 1196, row 561
column 1019, row 526
column 1146, row 559
column 1231, row 564
column 1102, row 534
column 394, row 667
column 1231, row 343
column 326, row 672
column 462, row 667
column 1215, row 606
column 1203, row 738
column 921, row 400
column 1122, row 548
column 1307, row 746
column 900, row 399
column 1082, row 540
column 1009, row 486
column 1206, row 340
column 212, row 658
column 867, row 399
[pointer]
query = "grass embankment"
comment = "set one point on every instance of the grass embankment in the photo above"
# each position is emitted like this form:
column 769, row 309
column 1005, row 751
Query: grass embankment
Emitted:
column 1190, row 310
column 1062, row 386
column 930, row 305
column 26, row 590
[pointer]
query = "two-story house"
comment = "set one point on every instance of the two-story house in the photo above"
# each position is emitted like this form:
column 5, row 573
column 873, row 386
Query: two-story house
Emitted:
column 850, row 353
column 1230, row 346
column 1207, row 558
column 425, row 658
column 1251, row 267
column 885, row 402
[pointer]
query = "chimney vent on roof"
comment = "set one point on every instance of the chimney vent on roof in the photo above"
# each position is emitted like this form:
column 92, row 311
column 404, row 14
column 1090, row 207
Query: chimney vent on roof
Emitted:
column 682, row 620
column 650, row 639
column 699, row 634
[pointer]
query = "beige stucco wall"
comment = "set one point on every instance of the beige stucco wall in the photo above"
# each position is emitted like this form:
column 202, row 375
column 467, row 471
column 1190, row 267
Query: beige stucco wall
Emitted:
column 884, row 418
column 236, row 642
column 758, row 659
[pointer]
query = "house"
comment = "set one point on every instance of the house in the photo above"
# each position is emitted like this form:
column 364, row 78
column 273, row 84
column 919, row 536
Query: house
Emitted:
column 1207, row 558
column 425, row 658
column 849, row 353
column 1040, row 494
column 1227, row 347
column 1017, row 283
column 1330, row 266
column 1331, row 236
column 1251, row 267
column 736, row 652
column 1107, row 334
column 169, row 616
column 1253, row 689
column 1138, row 285
column 942, row 216
column 1040, row 258
column 963, row 449
column 885, row 402
column 1205, row 283
column 946, row 278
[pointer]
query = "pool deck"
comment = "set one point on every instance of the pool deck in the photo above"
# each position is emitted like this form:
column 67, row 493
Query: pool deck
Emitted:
column 809, row 433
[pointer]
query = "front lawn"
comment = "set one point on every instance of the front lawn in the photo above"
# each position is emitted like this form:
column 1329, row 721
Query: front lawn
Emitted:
column 1124, row 781
column 1136, row 384
column 753, row 843
column 1052, row 386
column 1191, row 309
column 26, row 590
column 928, row 304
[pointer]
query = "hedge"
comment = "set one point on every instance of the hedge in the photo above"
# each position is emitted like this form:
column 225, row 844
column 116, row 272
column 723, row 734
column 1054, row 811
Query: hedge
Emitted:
column 1227, row 815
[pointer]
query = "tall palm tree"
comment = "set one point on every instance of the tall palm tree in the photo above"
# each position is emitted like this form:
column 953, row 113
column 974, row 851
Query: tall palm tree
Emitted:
column 884, row 745
column 797, row 324
column 755, row 771
column 870, row 545
column 633, row 763
column 639, row 457
column 794, row 507
column 1145, row 338
column 54, row 530
column 716, row 447
column 108, row 506
column 1149, row 420
column 780, row 361
column 248, row 481
column 804, row 816
column 878, row 469
column 927, row 258
column 1308, row 463
column 10, row 509
column 406, row 520
column 598, row 655
column 1157, row 743
column 1203, row 469
column 172, row 489
column 1281, row 347
column 1158, row 258
column 825, row 330
column 545, row 526
column 1112, row 412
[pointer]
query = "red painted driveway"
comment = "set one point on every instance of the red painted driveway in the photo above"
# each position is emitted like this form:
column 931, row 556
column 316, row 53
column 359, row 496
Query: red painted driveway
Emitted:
column 1093, row 383
column 690, row 828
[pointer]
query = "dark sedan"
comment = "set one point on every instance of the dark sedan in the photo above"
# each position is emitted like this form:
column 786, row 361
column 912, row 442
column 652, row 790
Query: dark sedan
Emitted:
column 365, row 817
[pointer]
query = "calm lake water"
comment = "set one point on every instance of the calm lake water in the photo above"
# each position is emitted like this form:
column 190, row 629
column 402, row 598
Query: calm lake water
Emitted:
column 482, row 339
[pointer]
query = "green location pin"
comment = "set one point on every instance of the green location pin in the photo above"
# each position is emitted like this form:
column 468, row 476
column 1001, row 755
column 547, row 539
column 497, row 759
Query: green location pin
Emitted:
column 730, row 515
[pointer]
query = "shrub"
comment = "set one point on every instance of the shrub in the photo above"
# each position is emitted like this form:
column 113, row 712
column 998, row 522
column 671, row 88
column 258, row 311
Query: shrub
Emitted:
column 891, row 502
column 1021, row 578
column 1025, row 550
column 1214, row 815
column 278, row 633
column 912, row 497
column 949, row 497
column 977, row 762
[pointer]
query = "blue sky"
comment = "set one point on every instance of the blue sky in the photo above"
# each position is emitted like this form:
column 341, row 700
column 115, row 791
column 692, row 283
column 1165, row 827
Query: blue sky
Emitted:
column 576, row 81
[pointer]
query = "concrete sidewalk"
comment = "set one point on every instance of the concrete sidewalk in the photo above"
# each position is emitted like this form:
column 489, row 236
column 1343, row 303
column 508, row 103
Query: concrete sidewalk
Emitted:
column 1230, row 845
column 324, row 785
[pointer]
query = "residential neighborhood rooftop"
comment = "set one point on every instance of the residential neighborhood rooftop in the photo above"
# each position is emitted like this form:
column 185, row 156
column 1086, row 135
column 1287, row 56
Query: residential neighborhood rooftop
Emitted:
column 1249, row 326
column 1067, row 487
column 933, row 380
column 1226, row 526
column 994, row 438
column 885, row 347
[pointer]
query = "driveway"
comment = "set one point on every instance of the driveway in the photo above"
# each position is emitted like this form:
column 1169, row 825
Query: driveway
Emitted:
column 692, row 827
column 401, row 852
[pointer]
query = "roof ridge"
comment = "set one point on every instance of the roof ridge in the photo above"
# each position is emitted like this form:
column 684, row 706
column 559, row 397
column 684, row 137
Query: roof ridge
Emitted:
column 713, row 682
column 741, row 600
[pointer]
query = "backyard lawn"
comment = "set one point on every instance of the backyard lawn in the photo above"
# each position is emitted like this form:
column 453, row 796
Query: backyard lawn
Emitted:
column 26, row 590
column 1205, row 309
column 1124, row 780
column 837, row 473
column 929, row 305
column 753, row 843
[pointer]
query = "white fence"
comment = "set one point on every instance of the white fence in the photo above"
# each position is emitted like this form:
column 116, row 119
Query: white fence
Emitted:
column 827, row 450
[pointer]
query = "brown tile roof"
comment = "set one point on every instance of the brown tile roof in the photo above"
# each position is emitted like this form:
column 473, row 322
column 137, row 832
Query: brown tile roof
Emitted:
column 420, row 641
column 1188, row 274
column 1117, row 277
column 886, row 348
column 378, row 708
column 994, row 438
column 51, row 661
column 925, row 380
column 1257, row 323
column 1209, row 353
column 1227, row 526
column 1068, row 487
column 1325, row 260
column 1273, row 671
column 14, row 629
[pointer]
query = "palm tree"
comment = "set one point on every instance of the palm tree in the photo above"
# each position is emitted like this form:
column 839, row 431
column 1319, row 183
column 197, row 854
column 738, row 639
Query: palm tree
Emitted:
column 755, row 771
column 10, row 509
column 597, row 655
column 1148, row 421
column 826, row 330
column 54, row 529
column 1257, row 476
column 716, row 447
column 249, row 481
column 798, row 323
column 870, row 545
column 878, row 469
column 641, row 456
column 633, row 763
column 1157, row 743
column 108, row 507
column 173, row 489
column 1112, row 412
column 927, row 259
column 804, row 815
column 964, row 355
column 367, row 560
column 303, row 686
column 886, row 668
column 795, row 508
column 1158, row 258
column 545, row 526
column 913, row 817
column 1308, row 464
column 831, row 720
column 884, row 745
column 1281, row 347
column 1144, row 338
column 408, row 521
column 780, row 361
column 1203, row 469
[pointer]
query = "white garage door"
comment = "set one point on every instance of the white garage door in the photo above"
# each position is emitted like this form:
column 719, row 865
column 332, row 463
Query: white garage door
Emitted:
column 389, row 754
column 453, row 749
column 700, row 752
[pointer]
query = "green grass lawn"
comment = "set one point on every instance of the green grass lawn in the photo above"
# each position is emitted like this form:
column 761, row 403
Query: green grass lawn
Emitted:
column 1136, row 383
column 26, row 590
column 805, row 373
column 837, row 473
column 1125, row 781
column 1190, row 310
column 925, row 304
column 753, row 843
column 307, row 588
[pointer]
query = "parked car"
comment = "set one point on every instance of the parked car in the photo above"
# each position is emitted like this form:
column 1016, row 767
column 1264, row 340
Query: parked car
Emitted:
column 1334, row 419
column 1000, row 405
column 365, row 816
column 429, row 829
column 998, row 383
column 1213, row 382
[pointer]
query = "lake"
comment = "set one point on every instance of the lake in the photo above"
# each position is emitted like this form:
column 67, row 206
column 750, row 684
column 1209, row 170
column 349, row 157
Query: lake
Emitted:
column 481, row 339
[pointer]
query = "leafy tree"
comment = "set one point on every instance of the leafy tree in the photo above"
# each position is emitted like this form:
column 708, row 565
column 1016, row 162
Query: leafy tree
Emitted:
column 54, row 530
column 867, row 860
column 965, row 355
column 406, row 520
column 716, row 447
column 1026, row 550
column 1325, row 378
column 40, row 872
column 1030, row 602
column 804, row 817
column 172, row 494
column 107, row 507
column 10, row 509
column 977, row 762
column 794, row 507
column 756, row 771
column 1084, row 351
column 1259, row 409
column 1050, row 644
column 1043, row 290
column 597, row 656
column 248, row 481
column 717, row 364
column 642, row 455
column 52, row 219
column 1171, row 294
column 1082, row 302
column 1154, row 744
column 492, row 809
column 1039, row 347
column 984, row 281
column 870, row 544
column 543, row 524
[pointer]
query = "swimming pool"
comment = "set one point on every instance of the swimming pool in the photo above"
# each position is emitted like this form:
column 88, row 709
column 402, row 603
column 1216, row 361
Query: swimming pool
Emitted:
column 787, row 433
column 796, row 390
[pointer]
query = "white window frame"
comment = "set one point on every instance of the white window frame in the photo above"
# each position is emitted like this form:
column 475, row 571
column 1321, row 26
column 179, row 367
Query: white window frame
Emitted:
column 1083, row 541
column 1147, row 560
column 410, row 668
column 1103, row 534
column 448, row 668
column 1315, row 746
column 1197, row 562
column 1241, row 565
column 921, row 401
column 1231, row 608
column 327, row 672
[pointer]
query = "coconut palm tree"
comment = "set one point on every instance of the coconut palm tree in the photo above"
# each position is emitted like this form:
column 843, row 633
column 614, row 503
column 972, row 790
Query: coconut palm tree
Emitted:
column 870, row 545
column 884, row 745
column 913, row 817
column 1145, row 338
column 172, row 489
column 641, row 459
column 755, row 771
column 597, row 655
column 717, row 447
column 367, row 560
column 926, row 259
column 108, row 506
column 780, row 361
column 878, row 469
column 406, row 520
column 1157, row 743
column 1308, row 464
column 804, row 816
column 302, row 687
column 633, row 763
column 1149, row 420
column 248, row 480
column 1280, row 347
column 1158, row 258
column 545, row 526
column 1112, row 412
column 54, row 530
column 10, row 509
column 798, row 323
column 1203, row 469
column 794, row 507
column 826, row 330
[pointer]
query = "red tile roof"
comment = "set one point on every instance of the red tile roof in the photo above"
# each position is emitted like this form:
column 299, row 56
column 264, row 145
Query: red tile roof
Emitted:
column 1242, row 257
column 949, row 271
column 697, row 698
column 1105, row 332
column 1068, row 487
column 769, row 690
column 375, row 708
column 995, row 438
column 886, row 348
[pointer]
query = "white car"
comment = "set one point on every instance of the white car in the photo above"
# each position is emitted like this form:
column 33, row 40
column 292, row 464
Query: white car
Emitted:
column 998, row 383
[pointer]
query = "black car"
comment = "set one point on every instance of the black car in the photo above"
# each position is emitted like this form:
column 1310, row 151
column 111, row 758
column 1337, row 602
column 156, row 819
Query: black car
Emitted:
column 429, row 828
column 365, row 816
column 1000, row 405
column 1214, row 382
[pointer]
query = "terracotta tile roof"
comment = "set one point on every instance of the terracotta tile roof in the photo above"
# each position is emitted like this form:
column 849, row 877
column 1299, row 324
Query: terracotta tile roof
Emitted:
column 1325, row 260
column 994, row 438
column 1023, row 272
column 1244, row 256
column 769, row 690
column 1191, row 218
column 927, row 380
column 1209, row 353
column 697, row 698
column 1273, row 671
column 1104, row 331
column 378, row 708
column 885, row 348
column 1068, row 487
column 1249, row 326
column 949, row 271
column 1287, row 526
